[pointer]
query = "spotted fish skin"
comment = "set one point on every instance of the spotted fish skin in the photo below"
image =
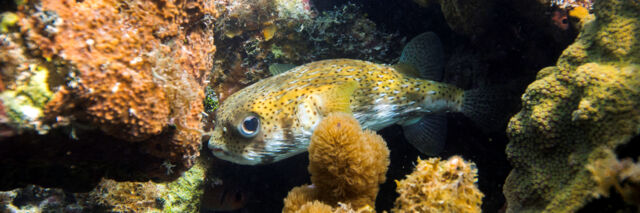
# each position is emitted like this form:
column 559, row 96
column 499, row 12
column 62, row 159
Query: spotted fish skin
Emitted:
column 290, row 105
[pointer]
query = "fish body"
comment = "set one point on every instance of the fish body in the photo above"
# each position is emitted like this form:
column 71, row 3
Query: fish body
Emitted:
column 274, row 118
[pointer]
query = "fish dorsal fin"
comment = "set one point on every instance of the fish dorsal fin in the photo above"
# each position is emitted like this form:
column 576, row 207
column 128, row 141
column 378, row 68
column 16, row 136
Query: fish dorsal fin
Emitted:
column 336, row 97
column 424, row 52
column 276, row 69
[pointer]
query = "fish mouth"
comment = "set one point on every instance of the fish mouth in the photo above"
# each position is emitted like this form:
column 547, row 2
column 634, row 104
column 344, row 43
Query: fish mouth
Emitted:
column 228, row 156
column 224, row 155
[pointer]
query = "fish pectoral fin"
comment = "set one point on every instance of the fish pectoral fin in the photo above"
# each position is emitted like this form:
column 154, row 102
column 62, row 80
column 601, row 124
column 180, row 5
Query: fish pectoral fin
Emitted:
column 276, row 69
column 337, row 97
column 428, row 134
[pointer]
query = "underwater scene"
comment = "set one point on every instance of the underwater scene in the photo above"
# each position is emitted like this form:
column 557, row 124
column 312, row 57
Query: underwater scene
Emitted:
column 319, row 106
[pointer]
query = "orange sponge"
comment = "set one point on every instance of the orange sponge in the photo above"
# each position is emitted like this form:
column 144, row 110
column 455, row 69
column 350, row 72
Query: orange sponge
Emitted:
column 347, row 165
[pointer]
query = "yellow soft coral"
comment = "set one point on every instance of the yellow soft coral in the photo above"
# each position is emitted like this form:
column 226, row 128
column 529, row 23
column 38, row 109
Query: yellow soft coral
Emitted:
column 299, row 196
column 623, row 175
column 440, row 186
column 346, row 165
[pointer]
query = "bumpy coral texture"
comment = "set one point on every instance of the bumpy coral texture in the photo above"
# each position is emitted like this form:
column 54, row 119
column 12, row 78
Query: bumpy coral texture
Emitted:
column 347, row 165
column 575, row 111
column 108, row 46
column 132, row 69
column 440, row 186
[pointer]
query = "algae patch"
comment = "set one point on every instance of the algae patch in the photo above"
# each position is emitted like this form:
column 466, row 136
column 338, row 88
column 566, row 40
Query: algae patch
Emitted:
column 25, row 102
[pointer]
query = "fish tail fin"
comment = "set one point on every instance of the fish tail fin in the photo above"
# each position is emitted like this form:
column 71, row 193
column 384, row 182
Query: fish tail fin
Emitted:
column 490, row 108
column 428, row 134
column 424, row 57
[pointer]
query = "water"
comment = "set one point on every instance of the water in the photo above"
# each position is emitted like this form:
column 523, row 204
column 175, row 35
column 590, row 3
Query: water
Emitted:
column 108, row 106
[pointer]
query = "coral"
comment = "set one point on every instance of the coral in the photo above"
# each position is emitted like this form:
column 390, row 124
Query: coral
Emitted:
column 33, row 198
column 346, row 165
column 515, row 25
column 115, row 89
column 440, row 186
column 588, row 4
column 468, row 17
column 299, row 196
column 126, row 78
column 25, row 79
column 181, row 195
column 301, row 199
column 623, row 175
column 125, row 196
column 315, row 207
column 575, row 111
column 345, row 32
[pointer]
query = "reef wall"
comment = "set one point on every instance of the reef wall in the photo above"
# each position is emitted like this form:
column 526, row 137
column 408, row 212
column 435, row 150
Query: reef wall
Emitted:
column 102, row 88
column 576, row 113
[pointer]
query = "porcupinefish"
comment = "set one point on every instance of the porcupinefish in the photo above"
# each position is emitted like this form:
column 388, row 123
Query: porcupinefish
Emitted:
column 274, row 118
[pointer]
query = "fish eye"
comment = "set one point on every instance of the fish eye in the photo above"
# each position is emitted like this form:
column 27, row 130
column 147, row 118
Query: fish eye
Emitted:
column 249, row 126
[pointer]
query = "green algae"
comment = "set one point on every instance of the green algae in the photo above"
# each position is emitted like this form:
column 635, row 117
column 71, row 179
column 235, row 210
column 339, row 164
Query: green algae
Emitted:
column 25, row 102
column 7, row 20
column 183, row 194
column 211, row 101
column 575, row 112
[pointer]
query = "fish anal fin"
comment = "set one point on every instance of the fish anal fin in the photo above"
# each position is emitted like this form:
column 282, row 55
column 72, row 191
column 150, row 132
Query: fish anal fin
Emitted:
column 428, row 134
